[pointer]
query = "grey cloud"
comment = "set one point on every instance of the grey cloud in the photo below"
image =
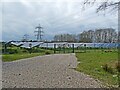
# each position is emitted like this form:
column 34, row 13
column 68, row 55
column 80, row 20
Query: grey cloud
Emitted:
column 55, row 17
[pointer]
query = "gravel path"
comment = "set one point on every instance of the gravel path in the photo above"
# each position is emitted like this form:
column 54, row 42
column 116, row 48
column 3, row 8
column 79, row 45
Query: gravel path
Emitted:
column 50, row 71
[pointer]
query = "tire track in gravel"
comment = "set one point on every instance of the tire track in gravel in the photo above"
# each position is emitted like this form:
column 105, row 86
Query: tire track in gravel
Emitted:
column 50, row 71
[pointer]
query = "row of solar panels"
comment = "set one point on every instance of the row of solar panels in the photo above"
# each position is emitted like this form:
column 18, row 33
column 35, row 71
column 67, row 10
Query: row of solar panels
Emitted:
column 27, row 44
column 51, row 45
column 104, row 45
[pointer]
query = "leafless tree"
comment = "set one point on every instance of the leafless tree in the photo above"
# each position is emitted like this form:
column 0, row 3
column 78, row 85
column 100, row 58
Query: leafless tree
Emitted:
column 107, row 35
column 104, row 5
column 87, row 36
column 65, row 37
column 103, row 35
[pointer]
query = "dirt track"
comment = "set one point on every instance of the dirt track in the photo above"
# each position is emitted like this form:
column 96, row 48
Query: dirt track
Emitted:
column 50, row 71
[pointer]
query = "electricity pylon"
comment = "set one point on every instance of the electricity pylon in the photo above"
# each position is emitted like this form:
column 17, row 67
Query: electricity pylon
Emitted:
column 25, row 37
column 39, row 33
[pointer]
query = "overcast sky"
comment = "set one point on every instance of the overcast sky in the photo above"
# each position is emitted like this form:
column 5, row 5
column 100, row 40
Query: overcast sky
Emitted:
column 56, row 17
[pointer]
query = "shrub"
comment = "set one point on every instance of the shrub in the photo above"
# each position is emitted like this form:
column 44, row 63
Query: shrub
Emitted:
column 25, row 51
column 105, row 67
column 47, row 53
column 12, row 51
column 118, row 66
column 108, row 69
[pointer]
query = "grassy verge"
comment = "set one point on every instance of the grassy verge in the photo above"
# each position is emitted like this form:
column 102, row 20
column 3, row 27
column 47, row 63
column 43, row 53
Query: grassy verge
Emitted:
column 13, row 57
column 22, row 55
column 92, row 63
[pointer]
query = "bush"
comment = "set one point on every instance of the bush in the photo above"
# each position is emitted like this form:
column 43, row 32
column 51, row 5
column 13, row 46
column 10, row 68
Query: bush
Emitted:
column 25, row 51
column 108, row 69
column 12, row 51
column 118, row 66
column 47, row 53
column 105, row 67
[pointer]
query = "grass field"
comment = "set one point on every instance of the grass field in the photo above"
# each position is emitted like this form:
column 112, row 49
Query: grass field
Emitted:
column 13, row 57
column 92, row 63
column 16, row 53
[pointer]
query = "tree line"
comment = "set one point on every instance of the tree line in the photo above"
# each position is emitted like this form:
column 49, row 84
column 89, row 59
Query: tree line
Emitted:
column 107, row 35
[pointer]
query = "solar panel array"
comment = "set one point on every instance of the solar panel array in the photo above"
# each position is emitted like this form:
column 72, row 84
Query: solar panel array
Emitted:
column 98, row 45
column 27, row 44
column 51, row 45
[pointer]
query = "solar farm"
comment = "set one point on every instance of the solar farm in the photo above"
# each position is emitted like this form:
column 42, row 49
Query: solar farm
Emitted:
column 96, row 59
column 51, row 45
column 58, row 47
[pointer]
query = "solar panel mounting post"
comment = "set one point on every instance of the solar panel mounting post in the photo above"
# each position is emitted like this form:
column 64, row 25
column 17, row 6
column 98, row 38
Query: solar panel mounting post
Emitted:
column 54, row 48
column 73, row 47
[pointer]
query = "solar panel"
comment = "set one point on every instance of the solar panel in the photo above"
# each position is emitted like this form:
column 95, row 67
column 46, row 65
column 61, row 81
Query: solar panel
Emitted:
column 51, row 45
column 17, row 43
column 27, row 44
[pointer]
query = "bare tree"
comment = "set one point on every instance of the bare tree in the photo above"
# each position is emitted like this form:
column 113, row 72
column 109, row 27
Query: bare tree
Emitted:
column 87, row 36
column 104, row 35
column 104, row 5
column 107, row 35
column 65, row 38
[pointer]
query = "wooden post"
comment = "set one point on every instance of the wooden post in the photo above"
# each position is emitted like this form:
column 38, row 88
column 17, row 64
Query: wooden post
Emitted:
column 73, row 48
column 85, row 47
column 30, row 50
column 59, row 48
column 54, row 48
column 63, row 48
column 5, row 47
column 46, row 45
column 68, row 48
column 94, row 47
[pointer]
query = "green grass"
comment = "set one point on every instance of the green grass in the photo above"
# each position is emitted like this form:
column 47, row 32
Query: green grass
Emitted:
column 18, row 53
column 92, row 61
column 13, row 57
